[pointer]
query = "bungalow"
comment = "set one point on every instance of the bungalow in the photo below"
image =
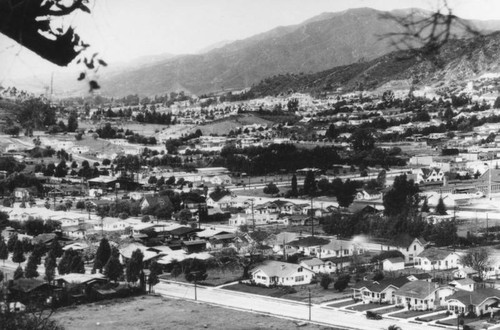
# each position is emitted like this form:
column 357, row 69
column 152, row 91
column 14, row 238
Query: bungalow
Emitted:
column 393, row 264
column 272, row 272
column 319, row 266
column 221, row 202
column 479, row 301
column 422, row 295
column 437, row 259
column 368, row 194
column 465, row 272
column 309, row 246
column 465, row 284
column 378, row 291
column 340, row 248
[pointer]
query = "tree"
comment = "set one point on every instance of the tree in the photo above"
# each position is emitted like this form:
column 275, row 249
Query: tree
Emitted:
column 1, row 276
column 134, row 266
column 309, row 183
column 72, row 122
column 4, row 252
column 381, row 178
column 325, row 281
column 403, row 197
column 345, row 195
column 113, row 269
column 50, row 268
column 56, row 249
column 342, row 283
column 362, row 139
column 77, row 265
column 102, row 255
column 440, row 207
column 31, row 267
column 12, row 242
column 155, row 270
column 271, row 189
column 18, row 273
column 18, row 253
column 478, row 259
column 294, row 192
column 425, row 207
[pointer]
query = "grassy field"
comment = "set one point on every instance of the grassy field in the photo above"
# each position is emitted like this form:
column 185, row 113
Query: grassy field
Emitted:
column 343, row 303
column 365, row 307
column 410, row 314
column 433, row 317
column 224, row 126
column 152, row 313
column 215, row 277
column 298, row 293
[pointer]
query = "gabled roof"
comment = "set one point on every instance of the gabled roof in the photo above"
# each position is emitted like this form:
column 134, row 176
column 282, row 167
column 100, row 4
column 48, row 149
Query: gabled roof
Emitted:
column 184, row 231
column 395, row 260
column 476, row 297
column 27, row 284
column 276, row 268
column 309, row 241
column 416, row 289
column 379, row 286
column 154, row 199
column 463, row 281
column 421, row 276
column 313, row 262
column 435, row 254
column 405, row 240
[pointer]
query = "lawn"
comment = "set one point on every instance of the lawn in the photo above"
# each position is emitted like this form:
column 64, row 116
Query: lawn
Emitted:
column 342, row 304
column 365, row 307
column 277, row 292
column 298, row 293
column 453, row 321
column 433, row 317
column 410, row 314
column 389, row 310
column 215, row 277
column 150, row 312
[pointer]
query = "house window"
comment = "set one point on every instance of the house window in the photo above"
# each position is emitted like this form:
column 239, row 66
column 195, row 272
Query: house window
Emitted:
column 415, row 247
column 299, row 278
column 299, row 270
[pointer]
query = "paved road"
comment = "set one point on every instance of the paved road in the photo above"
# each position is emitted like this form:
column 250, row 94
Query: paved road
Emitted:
column 281, row 307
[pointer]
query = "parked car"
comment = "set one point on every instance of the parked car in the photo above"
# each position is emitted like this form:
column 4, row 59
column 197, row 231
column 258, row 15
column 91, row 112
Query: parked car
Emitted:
column 373, row 316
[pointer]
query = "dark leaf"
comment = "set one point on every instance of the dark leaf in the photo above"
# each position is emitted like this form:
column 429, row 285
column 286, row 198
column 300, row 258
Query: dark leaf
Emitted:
column 93, row 85
column 103, row 63
column 82, row 76
column 84, row 8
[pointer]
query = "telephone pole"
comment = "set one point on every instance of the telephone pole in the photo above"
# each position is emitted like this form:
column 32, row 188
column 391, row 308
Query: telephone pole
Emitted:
column 312, row 217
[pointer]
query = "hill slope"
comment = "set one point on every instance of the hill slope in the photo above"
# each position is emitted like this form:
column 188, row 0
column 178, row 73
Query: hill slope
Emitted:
column 320, row 43
column 458, row 60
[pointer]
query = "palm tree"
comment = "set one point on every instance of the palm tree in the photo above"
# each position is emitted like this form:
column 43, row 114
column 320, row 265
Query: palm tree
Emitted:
column 394, row 327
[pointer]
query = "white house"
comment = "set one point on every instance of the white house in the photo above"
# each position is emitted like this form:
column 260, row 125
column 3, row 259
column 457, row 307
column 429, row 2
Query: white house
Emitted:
column 465, row 284
column 378, row 291
column 478, row 301
column 422, row 295
column 437, row 259
column 319, row 266
column 410, row 247
column 393, row 264
column 424, row 175
column 272, row 272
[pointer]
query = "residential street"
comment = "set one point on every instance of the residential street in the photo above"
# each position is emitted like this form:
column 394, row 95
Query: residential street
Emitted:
column 281, row 307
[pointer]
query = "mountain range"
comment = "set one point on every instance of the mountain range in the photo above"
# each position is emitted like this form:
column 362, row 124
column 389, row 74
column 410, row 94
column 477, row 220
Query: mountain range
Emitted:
column 321, row 43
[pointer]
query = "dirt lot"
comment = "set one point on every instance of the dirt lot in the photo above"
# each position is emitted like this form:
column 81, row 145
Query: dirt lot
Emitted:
column 162, row 313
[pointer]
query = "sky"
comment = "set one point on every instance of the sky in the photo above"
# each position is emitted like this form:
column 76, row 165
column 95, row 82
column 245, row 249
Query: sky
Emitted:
column 123, row 30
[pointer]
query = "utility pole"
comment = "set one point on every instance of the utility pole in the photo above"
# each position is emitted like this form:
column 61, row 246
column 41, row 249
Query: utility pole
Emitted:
column 312, row 217
column 309, row 304
column 253, row 215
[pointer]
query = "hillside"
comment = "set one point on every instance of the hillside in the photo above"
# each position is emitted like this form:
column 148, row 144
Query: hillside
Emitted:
column 320, row 43
column 456, row 61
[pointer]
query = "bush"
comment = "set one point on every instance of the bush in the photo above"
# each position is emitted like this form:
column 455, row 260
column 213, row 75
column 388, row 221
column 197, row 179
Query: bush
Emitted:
column 326, row 280
column 342, row 283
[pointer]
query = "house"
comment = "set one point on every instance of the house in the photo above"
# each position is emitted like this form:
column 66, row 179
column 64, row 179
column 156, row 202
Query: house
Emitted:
column 340, row 248
column 194, row 246
column 28, row 290
column 422, row 295
column 424, row 175
column 378, row 291
column 22, row 193
column 272, row 272
column 437, row 259
column 318, row 266
column 410, row 247
column 420, row 277
column 368, row 194
column 465, row 272
column 309, row 246
column 154, row 200
column 480, row 301
column 393, row 264
column 465, row 284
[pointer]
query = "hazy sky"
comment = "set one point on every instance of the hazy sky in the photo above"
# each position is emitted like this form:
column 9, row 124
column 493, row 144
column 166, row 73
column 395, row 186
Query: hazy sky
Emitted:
column 121, row 30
